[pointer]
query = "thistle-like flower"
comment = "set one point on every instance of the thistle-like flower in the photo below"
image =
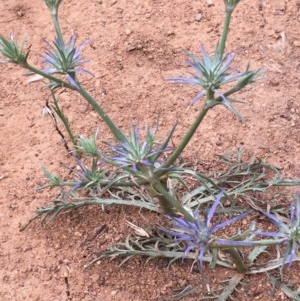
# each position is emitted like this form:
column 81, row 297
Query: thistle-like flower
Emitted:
column 14, row 53
column 198, row 235
column 288, row 232
column 212, row 72
column 131, row 152
column 88, row 145
column 65, row 59
column 89, row 178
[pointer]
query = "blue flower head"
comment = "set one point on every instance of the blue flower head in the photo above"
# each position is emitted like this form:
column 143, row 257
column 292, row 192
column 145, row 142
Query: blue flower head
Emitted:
column 136, row 153
column 211, row 73
column 288, row 232
column 88, row 177
column 65, row 59
column 198, row 235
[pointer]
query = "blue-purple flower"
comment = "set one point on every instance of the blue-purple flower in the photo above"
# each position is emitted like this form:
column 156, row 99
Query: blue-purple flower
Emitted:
column 198, row 235
column 211, row 73
column 65, row 59
column 135, row 153
column 88, row 178
column 288, row 232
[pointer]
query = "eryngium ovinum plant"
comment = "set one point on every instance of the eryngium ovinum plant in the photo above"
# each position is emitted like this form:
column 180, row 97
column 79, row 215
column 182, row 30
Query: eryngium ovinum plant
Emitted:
column 138, row 170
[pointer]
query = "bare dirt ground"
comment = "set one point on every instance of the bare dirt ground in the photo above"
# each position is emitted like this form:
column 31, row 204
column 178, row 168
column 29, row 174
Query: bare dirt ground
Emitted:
column 135, row 45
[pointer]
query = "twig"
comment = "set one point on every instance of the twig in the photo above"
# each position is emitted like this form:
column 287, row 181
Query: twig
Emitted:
column 3, row 176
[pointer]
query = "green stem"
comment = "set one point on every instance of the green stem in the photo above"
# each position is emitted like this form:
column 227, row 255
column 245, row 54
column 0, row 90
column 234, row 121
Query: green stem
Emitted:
column 237, row 259
column 186, row 138
column 116, row 131
column 56, row 26
column 230, row 6
column 170, row 200
column 53, row 8
column 222, row 44
column 189, row 134
column 166, row 207
column 48, row 76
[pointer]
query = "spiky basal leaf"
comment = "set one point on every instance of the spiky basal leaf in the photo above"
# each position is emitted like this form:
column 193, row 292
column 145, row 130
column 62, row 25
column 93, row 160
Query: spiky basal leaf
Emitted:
column 158, row 245
column 53, row 179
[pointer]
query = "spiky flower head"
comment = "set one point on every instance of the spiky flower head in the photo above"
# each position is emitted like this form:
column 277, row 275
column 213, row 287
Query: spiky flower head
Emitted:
column 139, row 154
column 13, row 53
column 89, row 177
column 65, row 59
column 198, row 235
column 288, row 232
column 211, row 73
column 88, row 145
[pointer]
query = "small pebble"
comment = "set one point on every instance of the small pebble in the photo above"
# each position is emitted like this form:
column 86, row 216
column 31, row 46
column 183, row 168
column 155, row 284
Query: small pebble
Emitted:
column 209, row 3
column 113, row 293
column 296, row 43
column 244, row 222
column 170, row 33
column 128, row 31
column 198, row 17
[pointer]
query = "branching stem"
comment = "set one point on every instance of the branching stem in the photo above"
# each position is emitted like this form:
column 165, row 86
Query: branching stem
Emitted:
column 189, row 134
column 170, row 200
column 116, row 131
